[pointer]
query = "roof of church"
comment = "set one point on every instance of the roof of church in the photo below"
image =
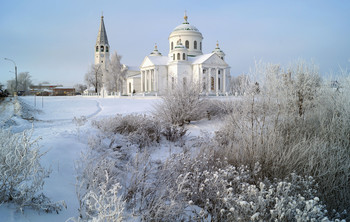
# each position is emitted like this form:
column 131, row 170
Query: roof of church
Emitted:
column 102, row 34
column 199, row 59
column 159, row 60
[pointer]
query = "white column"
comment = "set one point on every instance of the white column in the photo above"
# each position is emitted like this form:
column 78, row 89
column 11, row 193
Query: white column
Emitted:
column 209, row 80
column 149, row 80
column 216, row 80
column 142, row 81
column 224, row 81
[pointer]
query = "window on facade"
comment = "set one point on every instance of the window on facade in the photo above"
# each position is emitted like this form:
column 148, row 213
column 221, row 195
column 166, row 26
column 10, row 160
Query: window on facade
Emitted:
column 129, row 87
column 183, row 56
column 172, row 45
column 200, row 45
column 218, row 71
column 195, row 45
column 204, row 85
column 173, row 56
column 106, row 48
column 204, row 71
column 178, row 56
column 219, row 83
column 212, row 83
column 102, row 48
column 101, row 61
column 96, row 48
column 187, row 44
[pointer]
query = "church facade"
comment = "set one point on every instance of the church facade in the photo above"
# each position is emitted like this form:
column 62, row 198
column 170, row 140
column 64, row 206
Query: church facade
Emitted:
column 185, row 63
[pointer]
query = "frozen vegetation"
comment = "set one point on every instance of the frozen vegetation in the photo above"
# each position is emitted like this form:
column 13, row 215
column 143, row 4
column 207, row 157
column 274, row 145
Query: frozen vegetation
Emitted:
column 279, row 152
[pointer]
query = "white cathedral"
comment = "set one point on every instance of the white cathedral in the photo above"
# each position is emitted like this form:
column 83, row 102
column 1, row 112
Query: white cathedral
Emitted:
column 184, row 63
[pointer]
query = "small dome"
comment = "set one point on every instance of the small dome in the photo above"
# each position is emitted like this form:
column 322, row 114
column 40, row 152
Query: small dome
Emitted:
column 155, row 52
column 218, row 51
column 179, row 45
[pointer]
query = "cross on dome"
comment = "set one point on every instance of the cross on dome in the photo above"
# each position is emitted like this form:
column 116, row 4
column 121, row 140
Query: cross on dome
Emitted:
column 185, row 17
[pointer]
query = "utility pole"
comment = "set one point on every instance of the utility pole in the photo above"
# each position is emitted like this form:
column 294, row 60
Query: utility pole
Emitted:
column 15, row 94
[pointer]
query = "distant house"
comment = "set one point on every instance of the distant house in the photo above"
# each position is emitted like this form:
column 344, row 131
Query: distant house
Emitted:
column 63, row 91
column 43, row 89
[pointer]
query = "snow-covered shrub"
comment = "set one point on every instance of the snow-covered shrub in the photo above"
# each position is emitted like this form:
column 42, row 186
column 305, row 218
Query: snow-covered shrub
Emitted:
column 139, row 129
column 227, row 193
column 218, row 108
column 21, row 174
column 104, row 204
column 96, row 168
column 181, row 105
column 173, row 133
column 296, row 123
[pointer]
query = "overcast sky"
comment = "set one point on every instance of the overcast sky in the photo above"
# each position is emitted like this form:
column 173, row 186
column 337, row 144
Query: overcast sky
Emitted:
column 54, row 40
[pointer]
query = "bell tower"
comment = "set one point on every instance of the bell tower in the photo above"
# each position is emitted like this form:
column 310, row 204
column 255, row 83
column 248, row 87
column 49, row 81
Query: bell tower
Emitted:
column 102, row 47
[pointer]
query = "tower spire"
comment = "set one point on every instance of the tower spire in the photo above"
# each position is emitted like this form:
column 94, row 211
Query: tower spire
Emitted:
column 102, row 34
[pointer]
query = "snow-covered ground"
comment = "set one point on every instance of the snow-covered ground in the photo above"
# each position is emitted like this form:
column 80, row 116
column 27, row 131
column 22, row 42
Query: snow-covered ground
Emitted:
column 52, row 120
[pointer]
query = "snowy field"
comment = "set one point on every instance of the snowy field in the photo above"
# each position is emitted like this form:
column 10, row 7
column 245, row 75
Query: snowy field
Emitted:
column 52, row 120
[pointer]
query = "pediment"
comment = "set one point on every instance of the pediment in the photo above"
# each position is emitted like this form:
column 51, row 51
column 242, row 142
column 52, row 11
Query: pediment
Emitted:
column 214, row 59
column 146, row 62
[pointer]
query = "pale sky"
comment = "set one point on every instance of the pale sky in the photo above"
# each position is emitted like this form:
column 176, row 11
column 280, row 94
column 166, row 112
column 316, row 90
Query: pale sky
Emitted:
column 54, row 40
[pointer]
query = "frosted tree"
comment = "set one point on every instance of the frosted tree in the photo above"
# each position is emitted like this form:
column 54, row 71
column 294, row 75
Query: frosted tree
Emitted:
column 115, row 74
column 94, row 77
column 23, row 81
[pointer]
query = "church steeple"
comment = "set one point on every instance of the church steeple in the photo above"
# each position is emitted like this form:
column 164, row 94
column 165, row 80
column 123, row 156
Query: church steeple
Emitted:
column 102, row 34
column 102, row 46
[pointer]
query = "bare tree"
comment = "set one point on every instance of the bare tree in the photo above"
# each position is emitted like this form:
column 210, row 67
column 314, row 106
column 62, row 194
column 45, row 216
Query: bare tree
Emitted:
column 115, row 74
column 239, row 84
column 94, row 77
column 80, row 88
column 23, row 80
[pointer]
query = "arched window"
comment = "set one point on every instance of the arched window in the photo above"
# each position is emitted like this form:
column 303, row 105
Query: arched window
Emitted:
column 106, row 48
column 96, row 48
column 102, row 48
column 178, row 56
column 172, row 45
column 187, row 44
column 183, row 56
column 173, row 56
column 200, row 45
column 195, row 45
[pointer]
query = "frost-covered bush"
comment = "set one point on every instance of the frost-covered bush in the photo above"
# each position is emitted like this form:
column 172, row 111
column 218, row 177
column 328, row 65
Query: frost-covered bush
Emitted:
column 105, row 203
column 97, row 187
column 173, row 133
column 181, row 105
column 139, row 129
column 21, row 174
column 297, row 123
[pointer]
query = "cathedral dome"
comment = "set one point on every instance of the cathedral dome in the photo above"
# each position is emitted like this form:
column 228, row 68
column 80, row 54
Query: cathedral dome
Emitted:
column 185, row 27
column 191, row 38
